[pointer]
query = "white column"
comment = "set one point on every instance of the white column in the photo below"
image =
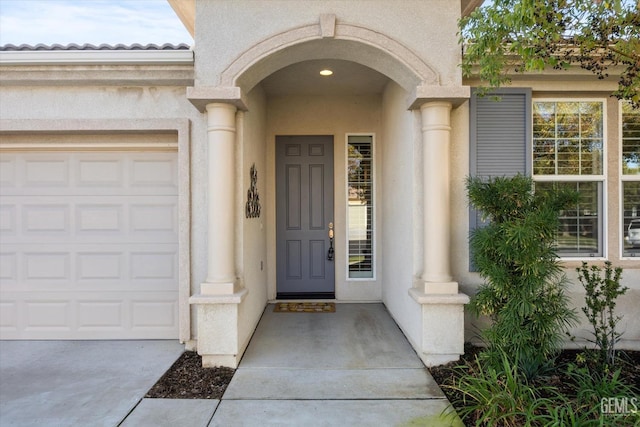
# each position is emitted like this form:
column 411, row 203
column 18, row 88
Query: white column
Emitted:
column 436, row 135
column 221, row 137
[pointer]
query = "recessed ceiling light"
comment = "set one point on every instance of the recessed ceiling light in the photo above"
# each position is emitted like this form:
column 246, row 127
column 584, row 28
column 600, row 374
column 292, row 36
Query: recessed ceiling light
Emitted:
column 326, row 72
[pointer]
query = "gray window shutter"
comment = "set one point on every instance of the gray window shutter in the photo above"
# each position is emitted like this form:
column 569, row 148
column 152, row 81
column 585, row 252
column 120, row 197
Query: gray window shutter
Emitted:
column 500, row 137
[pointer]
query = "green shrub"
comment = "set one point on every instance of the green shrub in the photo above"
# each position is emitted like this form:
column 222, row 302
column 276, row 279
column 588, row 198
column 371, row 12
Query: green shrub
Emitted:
column 498, row 396
column 495, row 396
column 591, row 387
column 515, row 253
column 504, row 397
column 601, row 294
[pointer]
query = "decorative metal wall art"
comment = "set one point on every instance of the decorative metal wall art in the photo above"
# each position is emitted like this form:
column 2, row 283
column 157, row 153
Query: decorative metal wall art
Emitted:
column 252, row 209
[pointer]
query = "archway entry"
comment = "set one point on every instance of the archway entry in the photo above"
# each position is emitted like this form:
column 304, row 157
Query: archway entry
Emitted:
column 386, row 95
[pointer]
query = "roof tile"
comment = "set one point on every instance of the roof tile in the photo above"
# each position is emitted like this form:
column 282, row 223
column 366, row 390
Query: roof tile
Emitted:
column 87, row 46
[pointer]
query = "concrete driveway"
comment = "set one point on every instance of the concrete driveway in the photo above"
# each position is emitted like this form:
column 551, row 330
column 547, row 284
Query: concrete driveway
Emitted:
column 78, row 383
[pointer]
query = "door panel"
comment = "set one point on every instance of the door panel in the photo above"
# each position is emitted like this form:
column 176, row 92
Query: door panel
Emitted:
column 304, row 209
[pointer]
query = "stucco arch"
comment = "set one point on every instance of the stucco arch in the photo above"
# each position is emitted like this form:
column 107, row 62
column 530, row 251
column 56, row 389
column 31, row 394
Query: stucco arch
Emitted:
column 325, row 40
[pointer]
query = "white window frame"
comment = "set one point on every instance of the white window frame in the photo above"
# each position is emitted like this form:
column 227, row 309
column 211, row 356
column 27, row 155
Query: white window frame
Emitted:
column 374, row 239
column 622, row 178
column 602, row 178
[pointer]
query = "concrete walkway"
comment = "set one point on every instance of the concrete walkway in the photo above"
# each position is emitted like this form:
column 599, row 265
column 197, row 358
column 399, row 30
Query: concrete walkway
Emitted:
column 349, row 368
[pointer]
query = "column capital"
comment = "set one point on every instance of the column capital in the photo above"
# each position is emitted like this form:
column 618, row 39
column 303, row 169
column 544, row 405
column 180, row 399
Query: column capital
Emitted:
column 436, row 116
column 201, row 96
column 221, row 116
column 455, row 95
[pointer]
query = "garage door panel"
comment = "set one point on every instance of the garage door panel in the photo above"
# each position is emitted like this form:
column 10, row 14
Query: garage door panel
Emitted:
column 8, row 178
column 47, row 266
column 154, row 265
column 100, row 266
column 154, row 217
column 100, row 219
column 44, row 172
column 47, row 315
column 99, row 172
column 8, row 219
column 76, row 267
column 88, row 246
column 101, row 315
column 88, row 219
column 98, row 315
column 148, row 315
column 78, row 173
column 46, row 218
column 9, row 316
column 8, row 268
column 153, row 173
column 88, row 191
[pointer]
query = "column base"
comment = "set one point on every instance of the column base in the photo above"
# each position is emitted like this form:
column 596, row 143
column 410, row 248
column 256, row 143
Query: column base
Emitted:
column 440, row 287
column 218, row 329
column 218, row 288
column 214, row 360
column 442, row 326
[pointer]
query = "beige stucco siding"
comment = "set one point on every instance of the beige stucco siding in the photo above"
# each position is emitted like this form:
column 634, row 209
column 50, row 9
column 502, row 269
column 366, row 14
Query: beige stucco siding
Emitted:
column 426, row 28
column 402, row 211
column 251, row 248
column 100, row 102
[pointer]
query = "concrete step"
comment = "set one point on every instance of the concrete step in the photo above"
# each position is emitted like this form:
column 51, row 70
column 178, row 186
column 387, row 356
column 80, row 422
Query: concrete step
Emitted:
column 312, row 413
column 335, row 384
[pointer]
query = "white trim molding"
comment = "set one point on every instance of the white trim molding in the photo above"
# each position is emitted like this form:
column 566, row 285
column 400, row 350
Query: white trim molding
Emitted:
column 93, row 57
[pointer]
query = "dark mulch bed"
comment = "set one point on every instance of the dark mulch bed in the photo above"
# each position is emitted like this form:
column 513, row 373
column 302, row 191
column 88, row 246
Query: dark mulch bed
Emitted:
column 445, row 375
column 187, row 379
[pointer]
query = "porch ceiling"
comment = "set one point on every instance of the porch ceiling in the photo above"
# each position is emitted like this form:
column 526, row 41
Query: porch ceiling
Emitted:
column 303, row 78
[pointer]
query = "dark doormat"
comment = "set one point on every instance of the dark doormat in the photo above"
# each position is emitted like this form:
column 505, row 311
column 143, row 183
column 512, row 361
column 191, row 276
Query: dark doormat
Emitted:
column 305, row 307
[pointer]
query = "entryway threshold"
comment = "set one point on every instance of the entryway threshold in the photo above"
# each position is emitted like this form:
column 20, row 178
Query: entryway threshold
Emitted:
column 337, row 301
column 305, row 295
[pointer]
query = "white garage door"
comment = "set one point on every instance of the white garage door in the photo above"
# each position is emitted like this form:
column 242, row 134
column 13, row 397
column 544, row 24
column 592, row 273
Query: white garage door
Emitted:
column 88, row 245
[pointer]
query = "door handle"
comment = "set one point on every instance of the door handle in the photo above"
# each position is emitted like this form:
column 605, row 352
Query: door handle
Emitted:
column 330, row 253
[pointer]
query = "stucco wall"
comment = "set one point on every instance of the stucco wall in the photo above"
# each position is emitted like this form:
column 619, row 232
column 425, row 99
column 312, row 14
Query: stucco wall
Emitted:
column 94, row 102
column 252, row 257
column 401, row 212
column 427, row 28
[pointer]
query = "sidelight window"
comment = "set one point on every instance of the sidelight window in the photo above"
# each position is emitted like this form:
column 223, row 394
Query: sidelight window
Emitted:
column 360, row 206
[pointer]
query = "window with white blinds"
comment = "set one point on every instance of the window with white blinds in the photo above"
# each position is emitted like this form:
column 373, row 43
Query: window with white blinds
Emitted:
column 360, row 206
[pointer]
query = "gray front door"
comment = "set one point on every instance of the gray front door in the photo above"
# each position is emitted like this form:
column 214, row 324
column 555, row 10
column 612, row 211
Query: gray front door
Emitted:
column 304, row 212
